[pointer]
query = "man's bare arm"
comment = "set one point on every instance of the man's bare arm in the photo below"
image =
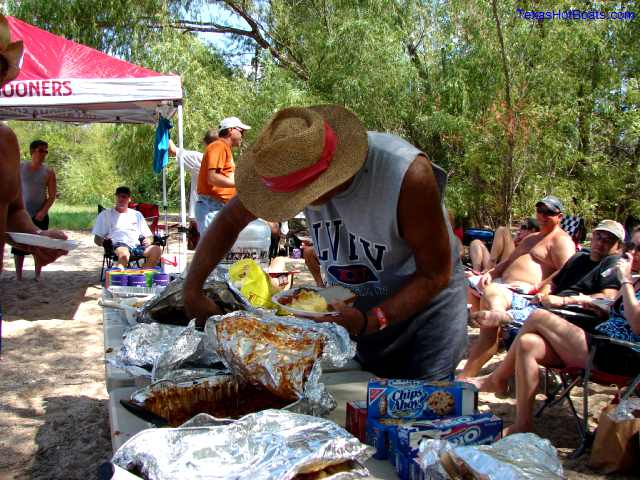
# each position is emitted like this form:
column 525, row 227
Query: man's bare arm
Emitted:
column 218, row 180
column 422, row 225
column 562, row 250
column 52, row 191
column 213, row 245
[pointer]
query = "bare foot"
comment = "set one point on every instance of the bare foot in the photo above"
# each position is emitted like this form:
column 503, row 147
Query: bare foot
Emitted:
column 515, row 428
column 490, row 318
column 486, row 383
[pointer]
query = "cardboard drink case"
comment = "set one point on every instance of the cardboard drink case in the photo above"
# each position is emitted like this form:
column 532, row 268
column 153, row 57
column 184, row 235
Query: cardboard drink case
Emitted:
column 476, row 429
column 356, row 421
column 419, row 399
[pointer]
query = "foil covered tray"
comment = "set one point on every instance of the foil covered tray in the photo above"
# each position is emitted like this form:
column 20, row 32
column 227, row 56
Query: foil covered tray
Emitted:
column 265, row 445
column 168, row 306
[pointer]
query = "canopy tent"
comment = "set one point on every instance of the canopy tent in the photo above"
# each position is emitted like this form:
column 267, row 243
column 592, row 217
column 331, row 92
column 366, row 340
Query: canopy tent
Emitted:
column 61, row 80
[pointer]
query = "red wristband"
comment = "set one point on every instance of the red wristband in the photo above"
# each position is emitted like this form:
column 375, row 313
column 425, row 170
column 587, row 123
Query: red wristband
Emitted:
column 382, row 319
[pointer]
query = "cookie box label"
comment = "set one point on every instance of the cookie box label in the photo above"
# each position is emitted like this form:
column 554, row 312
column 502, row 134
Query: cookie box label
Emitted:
column 416, row 399
column 356, row 420
column 476, row 429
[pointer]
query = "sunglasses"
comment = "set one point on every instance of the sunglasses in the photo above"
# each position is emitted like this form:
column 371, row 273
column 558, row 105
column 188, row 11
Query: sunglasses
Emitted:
column 239, row 130
column 547, row 212
column 42, row 150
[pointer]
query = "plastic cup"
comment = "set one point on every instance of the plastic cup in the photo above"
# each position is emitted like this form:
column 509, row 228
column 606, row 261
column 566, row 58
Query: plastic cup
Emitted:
column 137, row 280
column 160, row 279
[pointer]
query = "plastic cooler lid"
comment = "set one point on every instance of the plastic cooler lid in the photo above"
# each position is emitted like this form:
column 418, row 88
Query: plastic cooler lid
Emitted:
column 256, row 234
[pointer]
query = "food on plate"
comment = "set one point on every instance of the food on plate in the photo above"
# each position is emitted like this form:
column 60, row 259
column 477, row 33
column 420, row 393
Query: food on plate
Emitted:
column 309, row 301
column 277, row 356
column 313, row 300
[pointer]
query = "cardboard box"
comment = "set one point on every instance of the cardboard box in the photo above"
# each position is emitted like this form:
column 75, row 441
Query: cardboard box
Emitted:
column 418, row 399
column 476, row 429
column 356, row 421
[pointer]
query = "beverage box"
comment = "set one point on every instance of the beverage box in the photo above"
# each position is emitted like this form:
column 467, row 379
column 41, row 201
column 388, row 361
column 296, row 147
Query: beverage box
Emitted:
column 419, row 399
column 377, row 434
column 476, row 429
column 407, row 468
column 356, row 421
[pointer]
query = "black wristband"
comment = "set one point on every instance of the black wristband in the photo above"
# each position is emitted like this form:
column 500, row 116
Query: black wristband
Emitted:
column 365, row 324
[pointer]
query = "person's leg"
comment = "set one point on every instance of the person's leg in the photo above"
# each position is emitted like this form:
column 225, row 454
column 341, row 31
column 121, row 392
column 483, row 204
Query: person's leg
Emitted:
column 42, row 225
column 18, row 259
column 479, row 255
column 201, row 212
column 123, row 253
column 152, row 256
column 313, row 264
column 531, row 351
column 502, row 246
column 494, row 305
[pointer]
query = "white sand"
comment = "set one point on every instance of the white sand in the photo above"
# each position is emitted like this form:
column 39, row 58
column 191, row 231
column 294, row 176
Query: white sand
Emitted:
column 53, row 414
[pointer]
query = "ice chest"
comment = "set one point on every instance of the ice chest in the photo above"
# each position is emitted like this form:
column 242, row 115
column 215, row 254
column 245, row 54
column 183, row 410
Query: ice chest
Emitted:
column 419, row 399
column 253, row 242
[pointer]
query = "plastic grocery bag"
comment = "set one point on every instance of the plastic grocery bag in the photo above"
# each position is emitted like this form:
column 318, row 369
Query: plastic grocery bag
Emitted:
column 616, row 447
column 253, row 282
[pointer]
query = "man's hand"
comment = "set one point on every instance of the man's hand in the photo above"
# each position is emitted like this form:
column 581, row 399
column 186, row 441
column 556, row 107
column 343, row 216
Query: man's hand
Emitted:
column 145, row 242
column 485, row 280
column 40, row 215
column 44, row 256
column 200, row 307
column 350, row 318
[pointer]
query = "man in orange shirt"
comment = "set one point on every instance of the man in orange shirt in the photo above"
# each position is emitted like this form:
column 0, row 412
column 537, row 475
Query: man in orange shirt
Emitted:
column 216, row 181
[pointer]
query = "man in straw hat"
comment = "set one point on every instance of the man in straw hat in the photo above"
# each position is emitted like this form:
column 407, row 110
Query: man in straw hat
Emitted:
column 13, row 215
column 374, row 209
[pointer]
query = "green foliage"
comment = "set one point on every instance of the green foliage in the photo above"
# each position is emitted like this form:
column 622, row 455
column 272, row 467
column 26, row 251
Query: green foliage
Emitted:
column 429, row 71
column 72, row 217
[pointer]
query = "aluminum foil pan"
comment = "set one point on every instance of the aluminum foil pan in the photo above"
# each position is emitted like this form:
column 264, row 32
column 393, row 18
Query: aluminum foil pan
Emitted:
column 192, row 348
column 265, row 445
column 144, row 343
column 282, row 358
column 521, row 456
column 168, row 306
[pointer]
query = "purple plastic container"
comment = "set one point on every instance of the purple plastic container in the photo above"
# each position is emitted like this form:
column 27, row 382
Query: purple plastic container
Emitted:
column 137, row 281
column 160, row 279
column 118, row 280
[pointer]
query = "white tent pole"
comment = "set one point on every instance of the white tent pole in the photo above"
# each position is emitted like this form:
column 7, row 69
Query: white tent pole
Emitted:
column 182, row 264
column 164, row 199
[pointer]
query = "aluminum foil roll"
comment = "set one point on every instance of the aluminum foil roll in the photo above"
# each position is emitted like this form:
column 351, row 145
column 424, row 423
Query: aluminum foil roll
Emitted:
column 264, row 445
column 144, row 343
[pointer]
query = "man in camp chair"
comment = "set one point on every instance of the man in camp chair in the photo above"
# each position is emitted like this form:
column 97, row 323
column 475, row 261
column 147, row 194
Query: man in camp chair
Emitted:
column 127, row 231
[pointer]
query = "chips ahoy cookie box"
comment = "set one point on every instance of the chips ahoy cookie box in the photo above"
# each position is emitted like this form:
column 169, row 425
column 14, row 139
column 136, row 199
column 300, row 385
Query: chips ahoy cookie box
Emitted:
column 419, row 399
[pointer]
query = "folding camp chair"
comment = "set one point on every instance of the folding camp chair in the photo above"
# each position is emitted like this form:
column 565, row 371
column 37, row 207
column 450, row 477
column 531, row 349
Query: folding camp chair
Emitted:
column 572, row 377
column 575, row 227
column 151, row 213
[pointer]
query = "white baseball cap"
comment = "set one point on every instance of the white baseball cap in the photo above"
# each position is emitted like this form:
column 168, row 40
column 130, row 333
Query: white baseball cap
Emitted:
column 232, row 122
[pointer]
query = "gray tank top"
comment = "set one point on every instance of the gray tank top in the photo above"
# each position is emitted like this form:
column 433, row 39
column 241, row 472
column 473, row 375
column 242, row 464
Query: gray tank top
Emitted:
column 34, row 187
column 358, row 242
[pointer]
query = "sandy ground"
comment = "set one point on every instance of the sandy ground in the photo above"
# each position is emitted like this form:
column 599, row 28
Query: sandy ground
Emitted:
column 53, row 408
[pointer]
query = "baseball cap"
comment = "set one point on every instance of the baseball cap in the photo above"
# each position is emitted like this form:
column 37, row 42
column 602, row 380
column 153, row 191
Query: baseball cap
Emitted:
column 612, row 227
column 552, row 203
column 123, row 190
column 232, row 122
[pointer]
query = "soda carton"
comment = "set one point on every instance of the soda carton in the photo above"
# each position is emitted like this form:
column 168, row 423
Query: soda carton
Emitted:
column 476, row 429
column 407, row 468
column 379, row 433
column 419, row 399
column 356, row 421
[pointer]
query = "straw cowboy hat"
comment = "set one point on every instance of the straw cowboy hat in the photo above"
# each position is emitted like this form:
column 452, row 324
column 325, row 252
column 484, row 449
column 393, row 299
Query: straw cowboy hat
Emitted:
column 10, row 53
column 299, row 156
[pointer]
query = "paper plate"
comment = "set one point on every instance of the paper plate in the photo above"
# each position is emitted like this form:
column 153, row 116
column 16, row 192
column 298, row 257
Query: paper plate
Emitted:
column 277, row 299
column 42, row 241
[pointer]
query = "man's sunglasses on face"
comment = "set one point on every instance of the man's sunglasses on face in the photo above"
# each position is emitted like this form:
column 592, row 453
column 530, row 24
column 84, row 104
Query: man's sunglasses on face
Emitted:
column 547, row 212
column 43, row 150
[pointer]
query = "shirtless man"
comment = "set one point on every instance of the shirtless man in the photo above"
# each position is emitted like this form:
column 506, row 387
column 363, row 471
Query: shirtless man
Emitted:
column 530, row 265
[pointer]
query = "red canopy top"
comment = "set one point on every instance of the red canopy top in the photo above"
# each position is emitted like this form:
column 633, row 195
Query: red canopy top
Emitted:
column 49, row 56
